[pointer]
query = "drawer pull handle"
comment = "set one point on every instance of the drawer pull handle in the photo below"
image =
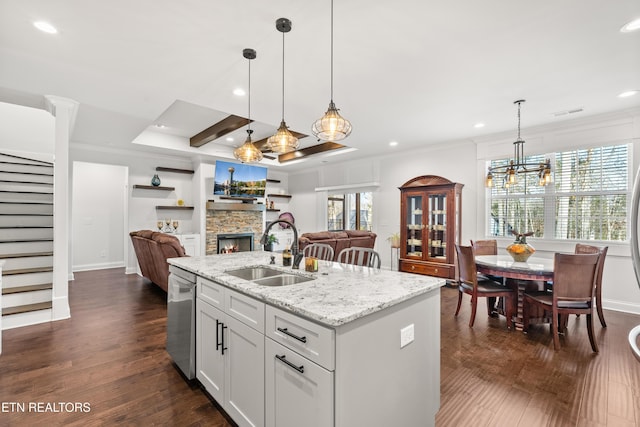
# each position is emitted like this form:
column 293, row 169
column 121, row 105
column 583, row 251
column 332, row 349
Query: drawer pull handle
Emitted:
column 413, row 267
column 284, row 360
column 286, row 332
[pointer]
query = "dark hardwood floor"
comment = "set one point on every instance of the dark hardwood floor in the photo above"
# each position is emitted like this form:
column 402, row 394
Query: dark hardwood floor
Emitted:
column 491, row 376
column 111, row 355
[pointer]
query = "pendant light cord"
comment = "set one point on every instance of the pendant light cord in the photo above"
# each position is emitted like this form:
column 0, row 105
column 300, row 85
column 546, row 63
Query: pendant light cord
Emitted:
column 283, row 76
column 249, row 98
column 332, row 51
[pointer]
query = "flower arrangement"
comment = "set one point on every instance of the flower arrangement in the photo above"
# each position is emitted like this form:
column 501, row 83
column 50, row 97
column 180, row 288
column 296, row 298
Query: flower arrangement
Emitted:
column 394, row 239
column 521, row 237
column 520, row 250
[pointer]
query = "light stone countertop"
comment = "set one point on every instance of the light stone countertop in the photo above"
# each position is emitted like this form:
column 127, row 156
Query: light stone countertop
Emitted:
column 339, row 294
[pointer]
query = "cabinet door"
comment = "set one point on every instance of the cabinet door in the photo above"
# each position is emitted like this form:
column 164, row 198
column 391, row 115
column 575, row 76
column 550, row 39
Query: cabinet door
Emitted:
column 244, row 373
column 414, row 245
column 209, row 359
column 191, row 243
column 437, row 226
column 298, row 392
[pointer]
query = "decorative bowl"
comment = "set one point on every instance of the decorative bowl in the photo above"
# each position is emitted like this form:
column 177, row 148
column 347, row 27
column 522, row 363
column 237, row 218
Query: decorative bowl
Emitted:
column 520, row 252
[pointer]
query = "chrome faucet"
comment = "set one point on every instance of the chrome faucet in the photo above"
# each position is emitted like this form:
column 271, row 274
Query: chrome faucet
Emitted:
column 294, row 246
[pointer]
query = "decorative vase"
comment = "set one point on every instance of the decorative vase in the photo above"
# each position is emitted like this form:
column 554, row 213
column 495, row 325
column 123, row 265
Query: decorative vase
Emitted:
column 155, row 181
column 520, row 252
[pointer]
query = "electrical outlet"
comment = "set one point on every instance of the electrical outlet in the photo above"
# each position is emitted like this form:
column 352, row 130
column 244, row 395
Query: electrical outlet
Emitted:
column 406, row 335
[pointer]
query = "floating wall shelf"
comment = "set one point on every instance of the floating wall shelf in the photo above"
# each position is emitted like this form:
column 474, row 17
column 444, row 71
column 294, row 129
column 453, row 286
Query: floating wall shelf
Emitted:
column 177, row 208
column 163, row 169
column 153, row 187
column 277, row 181
column 286, row 196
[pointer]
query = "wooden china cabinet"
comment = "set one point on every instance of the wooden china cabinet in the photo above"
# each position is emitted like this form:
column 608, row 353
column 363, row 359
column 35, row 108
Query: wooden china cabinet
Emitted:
column 430, row 226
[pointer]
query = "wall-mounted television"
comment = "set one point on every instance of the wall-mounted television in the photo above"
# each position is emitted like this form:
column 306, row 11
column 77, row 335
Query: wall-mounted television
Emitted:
column 239, row 180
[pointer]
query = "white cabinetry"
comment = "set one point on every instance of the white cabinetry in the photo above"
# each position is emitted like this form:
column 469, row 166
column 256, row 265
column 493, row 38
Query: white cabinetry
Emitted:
column 230, row 351
column 191, row 243
column 298, row 391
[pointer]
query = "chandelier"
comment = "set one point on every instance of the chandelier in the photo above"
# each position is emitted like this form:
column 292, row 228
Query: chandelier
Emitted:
column 283, row 140
column 332, row 126
column 518, row 165
column 247, row 152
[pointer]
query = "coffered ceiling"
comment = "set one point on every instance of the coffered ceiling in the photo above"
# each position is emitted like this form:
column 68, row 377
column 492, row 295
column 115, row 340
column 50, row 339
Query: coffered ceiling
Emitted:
column 414, row 72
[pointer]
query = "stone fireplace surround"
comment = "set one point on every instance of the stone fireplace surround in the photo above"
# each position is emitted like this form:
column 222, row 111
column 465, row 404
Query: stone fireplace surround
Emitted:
column 228, row 218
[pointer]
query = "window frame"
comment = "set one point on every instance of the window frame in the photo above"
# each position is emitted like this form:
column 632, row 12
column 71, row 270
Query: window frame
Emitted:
column 550, row 197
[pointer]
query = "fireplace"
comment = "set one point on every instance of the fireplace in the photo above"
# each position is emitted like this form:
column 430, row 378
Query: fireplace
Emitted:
column 234, row 242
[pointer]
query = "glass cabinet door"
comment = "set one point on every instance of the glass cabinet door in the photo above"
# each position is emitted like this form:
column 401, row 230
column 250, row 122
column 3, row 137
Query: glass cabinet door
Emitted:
column 437, row 225
column 415, row 224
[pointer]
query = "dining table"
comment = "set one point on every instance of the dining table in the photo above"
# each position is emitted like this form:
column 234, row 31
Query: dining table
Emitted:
column 534, row 274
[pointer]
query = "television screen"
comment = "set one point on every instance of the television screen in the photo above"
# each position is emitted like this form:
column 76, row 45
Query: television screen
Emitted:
column 239, row 180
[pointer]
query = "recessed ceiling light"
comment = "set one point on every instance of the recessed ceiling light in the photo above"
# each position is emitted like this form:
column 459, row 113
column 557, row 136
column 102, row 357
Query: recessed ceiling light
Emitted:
column 160, row 126
column 229, row 139
column 45, row 27
column 631, row 26
column 393, row 143
column 627, row 93
column 239, row 92
column 478, row 125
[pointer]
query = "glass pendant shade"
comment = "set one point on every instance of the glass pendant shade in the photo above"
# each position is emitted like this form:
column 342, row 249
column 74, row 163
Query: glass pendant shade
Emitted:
column 247, row 152
column 332, row 126
column 283, row 140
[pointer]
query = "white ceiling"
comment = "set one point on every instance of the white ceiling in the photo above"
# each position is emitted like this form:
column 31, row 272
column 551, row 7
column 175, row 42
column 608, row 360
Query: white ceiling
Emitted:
column 413, row 71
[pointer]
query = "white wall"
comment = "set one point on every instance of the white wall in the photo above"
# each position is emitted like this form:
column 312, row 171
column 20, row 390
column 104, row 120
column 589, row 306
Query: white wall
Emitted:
column 31, row 132
column 99, row 211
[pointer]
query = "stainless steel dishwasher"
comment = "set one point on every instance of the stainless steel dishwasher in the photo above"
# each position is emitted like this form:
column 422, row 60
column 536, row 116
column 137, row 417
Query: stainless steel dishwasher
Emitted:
column 181, row 320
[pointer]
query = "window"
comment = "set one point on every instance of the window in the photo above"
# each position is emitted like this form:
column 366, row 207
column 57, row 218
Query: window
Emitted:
column 351, row 211
column 586, row 201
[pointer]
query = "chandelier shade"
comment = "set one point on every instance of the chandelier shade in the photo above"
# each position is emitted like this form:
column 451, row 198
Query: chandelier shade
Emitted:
column 283, row 140
column 248, row 152
column 332, row 126
column 518, row 165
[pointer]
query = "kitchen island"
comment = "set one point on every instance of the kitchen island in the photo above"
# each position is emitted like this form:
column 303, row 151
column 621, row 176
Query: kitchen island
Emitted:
column 350, row 346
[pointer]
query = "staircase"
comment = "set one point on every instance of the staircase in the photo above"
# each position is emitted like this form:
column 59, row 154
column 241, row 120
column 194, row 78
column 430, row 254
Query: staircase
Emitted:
column 26, row 240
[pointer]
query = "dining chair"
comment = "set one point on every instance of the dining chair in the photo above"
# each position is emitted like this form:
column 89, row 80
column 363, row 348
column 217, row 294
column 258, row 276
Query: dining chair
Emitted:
column 485, row 247
column 574, row 277
column 366, row 257
column 321, row 251
column 588, row 249
column 488, row 247
column 469, row 283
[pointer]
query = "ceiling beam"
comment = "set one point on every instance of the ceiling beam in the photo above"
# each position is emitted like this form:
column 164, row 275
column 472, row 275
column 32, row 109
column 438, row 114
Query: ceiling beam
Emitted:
column 223, row 127
column 262, row 143
column 314, row 149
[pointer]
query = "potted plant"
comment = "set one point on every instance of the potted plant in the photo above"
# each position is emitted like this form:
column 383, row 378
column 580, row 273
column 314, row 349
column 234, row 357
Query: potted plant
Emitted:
column 271, row 239
column 394, row 239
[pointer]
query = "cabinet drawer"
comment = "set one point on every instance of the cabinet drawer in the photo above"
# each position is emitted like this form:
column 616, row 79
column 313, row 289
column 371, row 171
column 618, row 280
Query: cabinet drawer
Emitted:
column 443, row 270
column 297, row 391
column 245, row 309
column 211, row 292
column 309, row 339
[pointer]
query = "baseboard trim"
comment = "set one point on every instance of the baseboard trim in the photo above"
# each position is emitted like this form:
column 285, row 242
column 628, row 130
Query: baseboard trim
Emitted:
column 100, row 266
column 622, row 306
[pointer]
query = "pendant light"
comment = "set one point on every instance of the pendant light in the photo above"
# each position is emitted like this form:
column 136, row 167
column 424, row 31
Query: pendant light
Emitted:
column 518, row 165
column 247, row 152
column 332, row 126
column 283, row 140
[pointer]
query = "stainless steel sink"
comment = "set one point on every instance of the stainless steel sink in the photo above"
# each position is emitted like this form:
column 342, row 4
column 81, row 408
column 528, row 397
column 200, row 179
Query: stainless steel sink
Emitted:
column 266, row 276
column 253, row 273
column 282, row 280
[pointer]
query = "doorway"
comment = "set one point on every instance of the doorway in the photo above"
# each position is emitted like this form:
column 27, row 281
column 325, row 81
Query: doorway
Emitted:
column 98, row 216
